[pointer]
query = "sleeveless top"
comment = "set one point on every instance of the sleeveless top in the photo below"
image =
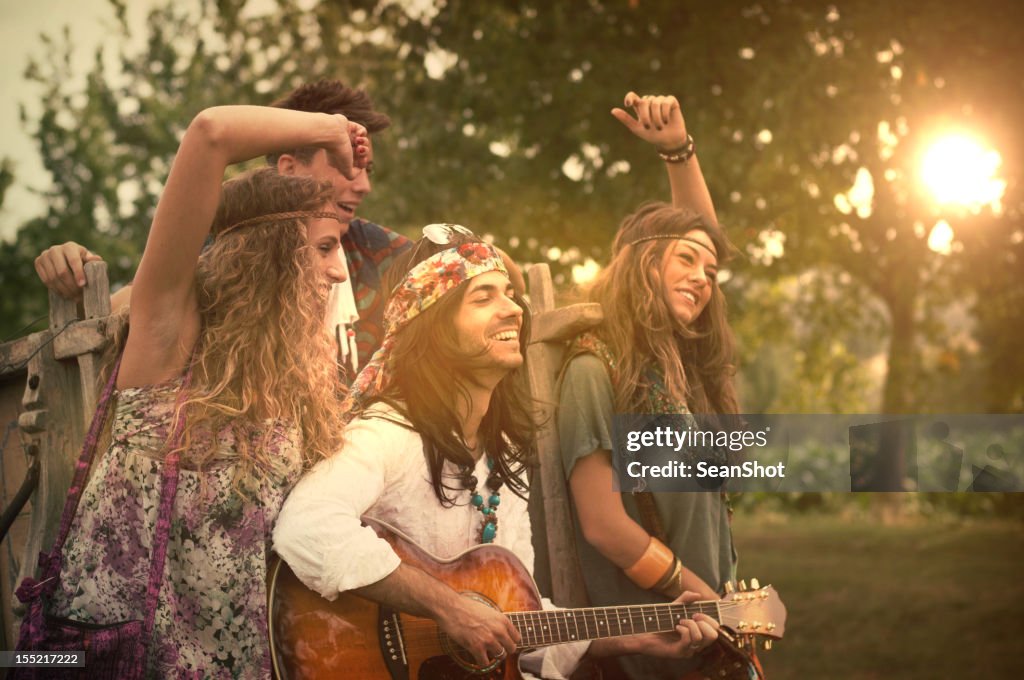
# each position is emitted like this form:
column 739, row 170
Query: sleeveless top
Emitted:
column 211, row 620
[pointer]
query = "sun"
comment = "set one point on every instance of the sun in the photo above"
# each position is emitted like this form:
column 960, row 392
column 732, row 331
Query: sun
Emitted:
column 958, row 169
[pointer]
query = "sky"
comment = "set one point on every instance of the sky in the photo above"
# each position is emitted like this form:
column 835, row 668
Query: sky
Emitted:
column 21, row 24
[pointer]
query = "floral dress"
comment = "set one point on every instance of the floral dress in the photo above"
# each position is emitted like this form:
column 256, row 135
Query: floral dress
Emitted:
column 211, row 620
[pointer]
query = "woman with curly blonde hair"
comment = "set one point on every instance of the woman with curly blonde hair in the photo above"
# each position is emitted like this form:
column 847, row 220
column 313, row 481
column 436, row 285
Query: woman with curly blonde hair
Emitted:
column 230, row 340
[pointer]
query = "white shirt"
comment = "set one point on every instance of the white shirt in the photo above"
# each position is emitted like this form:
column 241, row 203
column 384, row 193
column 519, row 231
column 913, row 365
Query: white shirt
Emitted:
column 381, row 473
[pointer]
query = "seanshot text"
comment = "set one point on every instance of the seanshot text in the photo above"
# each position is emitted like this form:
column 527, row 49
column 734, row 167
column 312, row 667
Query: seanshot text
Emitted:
column 702, row 470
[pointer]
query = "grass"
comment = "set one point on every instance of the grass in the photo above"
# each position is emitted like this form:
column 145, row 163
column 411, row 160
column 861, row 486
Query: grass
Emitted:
column 936, row 598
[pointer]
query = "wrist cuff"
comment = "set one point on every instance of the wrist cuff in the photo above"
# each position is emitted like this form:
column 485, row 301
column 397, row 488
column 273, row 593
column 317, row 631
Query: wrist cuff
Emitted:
column 652, row 566
column 671, row 584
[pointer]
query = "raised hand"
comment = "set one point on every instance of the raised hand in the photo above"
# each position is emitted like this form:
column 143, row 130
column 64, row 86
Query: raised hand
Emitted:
column 349, row 150
column 658, row 120
column 61, row 268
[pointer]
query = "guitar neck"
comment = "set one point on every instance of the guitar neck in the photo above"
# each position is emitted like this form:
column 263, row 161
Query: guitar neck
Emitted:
column 542, row 628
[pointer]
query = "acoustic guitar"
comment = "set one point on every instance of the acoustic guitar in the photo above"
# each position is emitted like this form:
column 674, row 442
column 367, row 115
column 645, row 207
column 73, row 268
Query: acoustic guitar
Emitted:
column 352, row 637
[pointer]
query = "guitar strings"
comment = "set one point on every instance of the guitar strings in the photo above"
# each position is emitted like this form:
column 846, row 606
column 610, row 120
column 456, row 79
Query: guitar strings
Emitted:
column 560, row 627
column 423, row 636
column 598, row 614
column 634, row 613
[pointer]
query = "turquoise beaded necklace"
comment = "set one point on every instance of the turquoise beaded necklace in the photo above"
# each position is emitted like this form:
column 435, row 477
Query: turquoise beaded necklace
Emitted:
column 489, row 527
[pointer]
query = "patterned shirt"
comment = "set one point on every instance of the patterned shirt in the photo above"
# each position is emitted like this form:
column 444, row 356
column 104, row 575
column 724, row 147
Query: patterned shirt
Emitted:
column 370, row 250
column 211, row 619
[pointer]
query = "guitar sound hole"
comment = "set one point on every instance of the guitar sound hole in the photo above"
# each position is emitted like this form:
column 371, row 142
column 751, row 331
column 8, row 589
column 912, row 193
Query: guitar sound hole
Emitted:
column 445, row 668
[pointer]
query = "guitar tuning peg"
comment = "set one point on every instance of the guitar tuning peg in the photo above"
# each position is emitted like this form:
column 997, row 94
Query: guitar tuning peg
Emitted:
column 755, row 584
column 767, row 645
column 729, row 588
column 743, row 585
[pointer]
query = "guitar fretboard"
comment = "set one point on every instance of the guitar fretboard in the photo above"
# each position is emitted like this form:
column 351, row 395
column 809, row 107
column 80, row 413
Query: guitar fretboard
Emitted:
column 542, row 628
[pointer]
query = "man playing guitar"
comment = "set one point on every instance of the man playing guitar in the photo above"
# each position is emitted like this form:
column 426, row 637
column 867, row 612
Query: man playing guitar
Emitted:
column 440, row 438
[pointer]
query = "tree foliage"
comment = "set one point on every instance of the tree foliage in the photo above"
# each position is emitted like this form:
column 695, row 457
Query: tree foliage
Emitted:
column 502, row 122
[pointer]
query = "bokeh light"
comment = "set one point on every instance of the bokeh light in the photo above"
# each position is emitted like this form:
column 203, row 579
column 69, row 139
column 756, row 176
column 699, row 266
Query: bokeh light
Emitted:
column 959, row 170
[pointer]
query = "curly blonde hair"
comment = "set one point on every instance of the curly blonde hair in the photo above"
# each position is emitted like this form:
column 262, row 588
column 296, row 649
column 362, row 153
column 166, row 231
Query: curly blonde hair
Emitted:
column 697, row 362
column 263, row 362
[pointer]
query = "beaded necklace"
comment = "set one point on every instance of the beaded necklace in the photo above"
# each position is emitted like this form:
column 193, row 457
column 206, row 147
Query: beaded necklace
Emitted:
column 489, row 526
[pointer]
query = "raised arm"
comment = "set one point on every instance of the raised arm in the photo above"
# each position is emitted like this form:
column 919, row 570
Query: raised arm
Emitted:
column 163, row 316
column 659, row 121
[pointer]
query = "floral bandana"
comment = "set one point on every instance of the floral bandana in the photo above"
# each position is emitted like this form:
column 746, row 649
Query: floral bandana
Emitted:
column 425, row 284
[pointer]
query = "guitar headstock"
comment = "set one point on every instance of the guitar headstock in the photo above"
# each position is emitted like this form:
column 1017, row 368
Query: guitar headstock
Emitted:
column 755, row 611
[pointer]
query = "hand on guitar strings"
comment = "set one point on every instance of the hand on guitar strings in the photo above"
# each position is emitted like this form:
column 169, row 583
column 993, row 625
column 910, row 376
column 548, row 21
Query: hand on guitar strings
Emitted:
column 691, row 636
column 483, row 631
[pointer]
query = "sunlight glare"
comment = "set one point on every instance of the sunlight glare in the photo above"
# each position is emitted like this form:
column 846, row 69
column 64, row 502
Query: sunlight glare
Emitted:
column 583, row 274
column 959, row 170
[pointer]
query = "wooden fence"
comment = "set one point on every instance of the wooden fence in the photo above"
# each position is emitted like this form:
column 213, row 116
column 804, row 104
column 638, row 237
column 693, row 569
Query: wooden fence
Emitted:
column 48, row 388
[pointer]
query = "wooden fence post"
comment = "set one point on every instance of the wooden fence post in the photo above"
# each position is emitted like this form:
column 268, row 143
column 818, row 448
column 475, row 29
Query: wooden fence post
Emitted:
column 87, row 337
column 62, row 366
column 552, row 328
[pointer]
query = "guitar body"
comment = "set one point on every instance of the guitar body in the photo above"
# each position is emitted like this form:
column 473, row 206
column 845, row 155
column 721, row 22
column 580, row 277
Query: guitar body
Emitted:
column 353, row 637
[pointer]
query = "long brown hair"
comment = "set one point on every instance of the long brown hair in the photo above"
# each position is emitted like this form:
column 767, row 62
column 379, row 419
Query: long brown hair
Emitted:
column 425, row 359
column 263, row 362
column 697, row 362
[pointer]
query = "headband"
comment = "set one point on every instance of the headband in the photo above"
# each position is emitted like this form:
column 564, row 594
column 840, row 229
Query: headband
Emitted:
column 275, row 217
column 674, row 237
column 424, row 285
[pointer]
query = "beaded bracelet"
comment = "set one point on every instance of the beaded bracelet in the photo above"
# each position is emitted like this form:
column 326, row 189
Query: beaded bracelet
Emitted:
column 680, row 155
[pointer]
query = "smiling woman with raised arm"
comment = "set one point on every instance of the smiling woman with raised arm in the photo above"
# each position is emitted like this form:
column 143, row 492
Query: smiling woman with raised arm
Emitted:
column 226, row 345
column 664, row 347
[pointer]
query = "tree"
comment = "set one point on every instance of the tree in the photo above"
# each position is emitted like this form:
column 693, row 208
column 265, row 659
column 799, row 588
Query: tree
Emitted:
column 501, row 122
column 804, row 98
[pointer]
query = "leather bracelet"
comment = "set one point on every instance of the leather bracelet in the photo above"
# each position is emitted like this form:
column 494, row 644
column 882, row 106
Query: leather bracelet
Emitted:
column 652, row 566
column 671, row 584
column 680, row 155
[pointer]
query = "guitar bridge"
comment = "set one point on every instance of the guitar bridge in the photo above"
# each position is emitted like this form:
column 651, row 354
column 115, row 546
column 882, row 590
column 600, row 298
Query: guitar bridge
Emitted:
column 392, row 646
